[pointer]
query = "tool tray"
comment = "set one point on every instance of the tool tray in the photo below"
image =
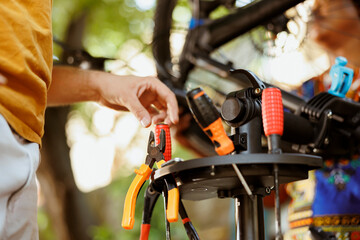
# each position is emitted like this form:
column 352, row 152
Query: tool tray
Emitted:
column 214, row 177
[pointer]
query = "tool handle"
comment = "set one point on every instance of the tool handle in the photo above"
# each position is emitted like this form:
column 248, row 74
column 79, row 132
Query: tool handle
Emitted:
column 145, row 230
column 172, row 210
column 209, row 120
column 142, row 174
column 189, row 228
column 272, row 112
column 202, row 107
column 166, row 128
column 273, row 122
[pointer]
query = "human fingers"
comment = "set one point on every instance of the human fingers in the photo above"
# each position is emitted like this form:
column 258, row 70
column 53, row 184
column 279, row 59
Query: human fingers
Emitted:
column 139, row 111
column 155, row 104
column 167, row 98
column 159, row 117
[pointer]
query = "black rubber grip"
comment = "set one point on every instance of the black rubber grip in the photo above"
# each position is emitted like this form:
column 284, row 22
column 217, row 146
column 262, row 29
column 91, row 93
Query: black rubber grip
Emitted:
column 202, row 107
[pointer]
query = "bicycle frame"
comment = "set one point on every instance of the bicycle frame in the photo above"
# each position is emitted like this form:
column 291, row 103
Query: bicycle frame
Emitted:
column 222, row 30
column 203, row 39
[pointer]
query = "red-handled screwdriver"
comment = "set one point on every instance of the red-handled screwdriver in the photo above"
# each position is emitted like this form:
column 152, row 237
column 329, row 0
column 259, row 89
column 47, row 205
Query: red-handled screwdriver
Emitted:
column 273, row 118
column 273, row 122
column 166, row 128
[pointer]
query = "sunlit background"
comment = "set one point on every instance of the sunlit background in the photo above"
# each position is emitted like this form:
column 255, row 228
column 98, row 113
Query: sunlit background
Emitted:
column 106, row 145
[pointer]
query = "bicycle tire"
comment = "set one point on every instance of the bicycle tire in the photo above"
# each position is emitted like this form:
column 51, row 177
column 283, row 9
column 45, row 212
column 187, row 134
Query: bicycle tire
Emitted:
column 161, row 35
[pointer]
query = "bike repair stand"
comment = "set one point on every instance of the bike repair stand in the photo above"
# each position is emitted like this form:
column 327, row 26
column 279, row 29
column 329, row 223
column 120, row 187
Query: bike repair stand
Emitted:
column 218, row 176
column 212, row 177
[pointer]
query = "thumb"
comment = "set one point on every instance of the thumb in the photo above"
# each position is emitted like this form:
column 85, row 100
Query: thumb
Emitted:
column 136, row 108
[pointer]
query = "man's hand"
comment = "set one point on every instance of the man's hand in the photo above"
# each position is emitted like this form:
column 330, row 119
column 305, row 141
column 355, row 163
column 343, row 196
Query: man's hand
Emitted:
column 146, row 97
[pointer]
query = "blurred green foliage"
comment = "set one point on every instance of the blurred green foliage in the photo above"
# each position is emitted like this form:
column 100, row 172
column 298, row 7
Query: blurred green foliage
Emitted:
column 111, row 27
column 107, row 204
column 112, row 203
column 44, row 224
column 109, row 23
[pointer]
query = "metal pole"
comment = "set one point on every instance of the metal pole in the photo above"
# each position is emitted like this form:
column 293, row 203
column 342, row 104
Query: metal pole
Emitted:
column 277, row 204
column 249, row 218
column 237, row 219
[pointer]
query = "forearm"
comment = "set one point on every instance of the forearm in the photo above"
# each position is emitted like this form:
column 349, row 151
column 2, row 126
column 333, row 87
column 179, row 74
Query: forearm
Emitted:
column 146, row 97
column 70, row 85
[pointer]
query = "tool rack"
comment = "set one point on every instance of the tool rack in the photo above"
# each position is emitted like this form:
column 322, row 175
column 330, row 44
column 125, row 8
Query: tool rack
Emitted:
column 214, row 177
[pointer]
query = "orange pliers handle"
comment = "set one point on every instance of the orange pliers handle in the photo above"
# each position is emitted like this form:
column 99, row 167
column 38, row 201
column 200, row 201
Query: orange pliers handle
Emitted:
column 172, row 209
column 155, row 155
column 142, row 174
column 173, row 196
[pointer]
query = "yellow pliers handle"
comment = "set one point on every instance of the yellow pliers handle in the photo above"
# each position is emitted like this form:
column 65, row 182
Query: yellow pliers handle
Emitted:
column 172, row 209
column 142, row 174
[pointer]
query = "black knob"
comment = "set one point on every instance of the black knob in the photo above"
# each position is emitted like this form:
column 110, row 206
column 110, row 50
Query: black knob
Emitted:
column 232, row 110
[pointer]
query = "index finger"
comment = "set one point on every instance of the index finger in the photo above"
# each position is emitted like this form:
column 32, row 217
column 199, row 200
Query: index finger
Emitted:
column 167, row 96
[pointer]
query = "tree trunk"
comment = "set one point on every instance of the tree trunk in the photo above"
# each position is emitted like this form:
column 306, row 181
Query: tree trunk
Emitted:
column 67, row 207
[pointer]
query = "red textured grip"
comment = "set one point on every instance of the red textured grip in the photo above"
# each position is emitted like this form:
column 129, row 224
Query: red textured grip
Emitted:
column 272, row 111
column 158, row 127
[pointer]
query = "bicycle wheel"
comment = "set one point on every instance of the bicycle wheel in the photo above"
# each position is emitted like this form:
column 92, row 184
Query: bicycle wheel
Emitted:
column 242, row 17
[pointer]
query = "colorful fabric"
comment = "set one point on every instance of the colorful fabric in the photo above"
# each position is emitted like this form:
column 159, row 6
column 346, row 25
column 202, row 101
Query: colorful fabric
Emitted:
column 337, row 188
column 330, row 198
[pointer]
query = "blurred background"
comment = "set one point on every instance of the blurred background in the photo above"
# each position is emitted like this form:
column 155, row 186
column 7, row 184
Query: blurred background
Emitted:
column 89, row 152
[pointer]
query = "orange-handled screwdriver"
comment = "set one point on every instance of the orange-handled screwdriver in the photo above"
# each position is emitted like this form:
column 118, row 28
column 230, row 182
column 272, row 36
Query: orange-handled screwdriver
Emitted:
column 209, row 120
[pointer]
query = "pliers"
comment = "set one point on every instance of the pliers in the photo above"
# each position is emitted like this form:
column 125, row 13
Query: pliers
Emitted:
column 151, row 195
column 155, row 189
column 155, row 155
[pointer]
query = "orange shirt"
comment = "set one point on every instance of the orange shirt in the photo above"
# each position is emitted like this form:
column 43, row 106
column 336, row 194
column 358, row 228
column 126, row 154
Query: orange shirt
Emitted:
column 26, row 62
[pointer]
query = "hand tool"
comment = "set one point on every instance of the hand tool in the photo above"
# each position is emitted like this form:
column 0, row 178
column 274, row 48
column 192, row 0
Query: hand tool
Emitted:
column 150, row 198
column 152, row 193
column 172, row 192
column 209, row 120
column 273, row 122
column 155, row 155
column 190, row 230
